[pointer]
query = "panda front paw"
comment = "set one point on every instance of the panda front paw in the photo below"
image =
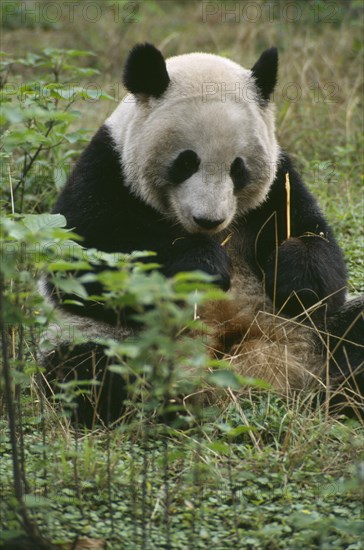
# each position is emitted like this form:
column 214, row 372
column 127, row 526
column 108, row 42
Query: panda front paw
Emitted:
column 305, row 273
column 199, row 253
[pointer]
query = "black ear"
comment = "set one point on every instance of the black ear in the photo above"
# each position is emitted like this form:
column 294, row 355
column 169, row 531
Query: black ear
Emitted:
column 265, row 72
column 145, row 71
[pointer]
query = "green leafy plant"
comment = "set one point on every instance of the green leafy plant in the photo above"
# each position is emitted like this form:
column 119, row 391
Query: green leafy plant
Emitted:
column 39, row 145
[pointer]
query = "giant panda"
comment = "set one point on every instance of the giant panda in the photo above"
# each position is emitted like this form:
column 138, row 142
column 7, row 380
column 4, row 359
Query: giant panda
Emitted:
column 188, row 166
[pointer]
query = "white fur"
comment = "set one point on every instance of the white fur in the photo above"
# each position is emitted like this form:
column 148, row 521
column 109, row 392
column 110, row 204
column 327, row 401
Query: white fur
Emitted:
column 70, row 328
column 210, row 106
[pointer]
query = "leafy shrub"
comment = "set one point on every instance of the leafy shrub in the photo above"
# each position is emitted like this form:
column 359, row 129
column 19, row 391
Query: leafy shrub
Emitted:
column 37, row 117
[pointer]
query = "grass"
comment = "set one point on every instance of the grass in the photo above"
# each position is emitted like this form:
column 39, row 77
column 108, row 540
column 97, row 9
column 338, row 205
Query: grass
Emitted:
column 298, row 485
column 263, row 472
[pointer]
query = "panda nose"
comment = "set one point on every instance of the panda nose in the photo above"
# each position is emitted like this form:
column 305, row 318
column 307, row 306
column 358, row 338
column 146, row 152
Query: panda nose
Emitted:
column 206, row 223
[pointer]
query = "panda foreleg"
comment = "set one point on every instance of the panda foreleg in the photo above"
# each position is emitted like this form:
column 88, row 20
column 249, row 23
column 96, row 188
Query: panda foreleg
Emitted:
column 197, row 253
column 306, row 266
column 306, row 271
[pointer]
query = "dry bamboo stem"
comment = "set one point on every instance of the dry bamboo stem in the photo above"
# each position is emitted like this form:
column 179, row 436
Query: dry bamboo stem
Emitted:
column 288, row 205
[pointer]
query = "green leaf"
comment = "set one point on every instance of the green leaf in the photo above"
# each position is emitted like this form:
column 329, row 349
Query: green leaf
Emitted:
column 36, row 501
column 38, row 222
column 74, row 137
column 239, row 430
column 220, row 447
column 63, row 265
column 119, row 349
column 118, row 369
column 254, row 382
column 71, row 286
column 64, row 93
column 86, row 71
column 60, row 177
column 79, row 53
column 225, row 379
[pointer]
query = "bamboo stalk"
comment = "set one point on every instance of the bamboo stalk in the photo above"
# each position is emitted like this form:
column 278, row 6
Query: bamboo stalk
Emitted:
column 226, row 240
column 288, row 205
column 11, row 191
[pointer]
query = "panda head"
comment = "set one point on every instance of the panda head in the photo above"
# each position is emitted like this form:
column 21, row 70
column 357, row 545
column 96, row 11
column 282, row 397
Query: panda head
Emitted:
column 196, row 135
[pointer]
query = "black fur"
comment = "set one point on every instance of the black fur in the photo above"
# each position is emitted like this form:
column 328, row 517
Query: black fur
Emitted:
column 346, row 329
column 183, row 167
column 310, row 263
column 145, row 71
column 85, row 362
column 239, row 174
column 265, row 72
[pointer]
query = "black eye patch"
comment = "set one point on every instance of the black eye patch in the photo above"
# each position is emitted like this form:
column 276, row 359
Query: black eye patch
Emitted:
column 239, row 174
column 183, row 167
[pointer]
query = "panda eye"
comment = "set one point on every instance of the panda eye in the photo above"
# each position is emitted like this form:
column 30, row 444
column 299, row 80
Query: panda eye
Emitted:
column 183, row 167
column 239, row 174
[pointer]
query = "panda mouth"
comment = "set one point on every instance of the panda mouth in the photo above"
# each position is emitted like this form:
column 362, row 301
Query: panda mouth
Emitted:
column 208, row 224
column 205, row 225
column 200, row 222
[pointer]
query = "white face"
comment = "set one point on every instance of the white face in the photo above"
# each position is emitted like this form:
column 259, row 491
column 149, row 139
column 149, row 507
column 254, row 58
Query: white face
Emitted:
column 198, row 160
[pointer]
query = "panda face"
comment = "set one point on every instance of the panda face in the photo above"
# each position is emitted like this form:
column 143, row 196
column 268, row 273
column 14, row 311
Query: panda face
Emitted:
column 212, row 172
column 198, row 158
